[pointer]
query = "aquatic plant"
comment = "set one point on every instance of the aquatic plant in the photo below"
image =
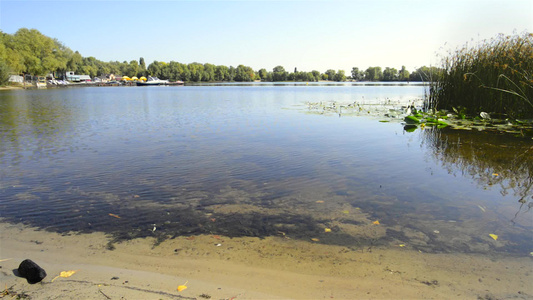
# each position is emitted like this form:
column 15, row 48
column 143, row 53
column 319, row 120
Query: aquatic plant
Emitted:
column 493, row 76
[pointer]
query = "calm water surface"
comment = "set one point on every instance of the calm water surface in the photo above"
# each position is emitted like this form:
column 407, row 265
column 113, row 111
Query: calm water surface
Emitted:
column 254, row 161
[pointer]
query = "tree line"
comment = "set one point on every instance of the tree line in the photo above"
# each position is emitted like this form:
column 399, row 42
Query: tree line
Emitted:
column 30, row 52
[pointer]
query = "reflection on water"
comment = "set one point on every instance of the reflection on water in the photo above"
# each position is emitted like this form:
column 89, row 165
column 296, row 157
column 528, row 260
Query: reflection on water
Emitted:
column 244, row 161
column 491, row 160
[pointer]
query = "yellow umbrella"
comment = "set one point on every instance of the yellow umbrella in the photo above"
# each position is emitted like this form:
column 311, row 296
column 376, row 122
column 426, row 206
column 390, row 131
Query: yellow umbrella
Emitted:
column 142, row 78
column 134, row 78
column 125, row 78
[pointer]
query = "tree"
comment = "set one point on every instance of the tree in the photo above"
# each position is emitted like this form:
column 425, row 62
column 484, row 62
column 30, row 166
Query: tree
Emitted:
column 222, row 73
column 262, row 74
column 142, row 68
column 356, row 74
column 403, row 75
column 340, row 76
column 331, row 74
column 244, row 73
column 390, row 74
column 154, row 69
column 279, row 74
column 373, row 74
column 74, row 62
column 4, row 72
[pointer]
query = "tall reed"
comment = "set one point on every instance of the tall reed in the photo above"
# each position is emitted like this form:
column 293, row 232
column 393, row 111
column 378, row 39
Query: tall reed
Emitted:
column 495, row 76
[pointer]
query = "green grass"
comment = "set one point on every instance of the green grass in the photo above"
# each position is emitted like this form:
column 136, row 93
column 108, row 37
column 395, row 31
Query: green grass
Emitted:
column 495, row 76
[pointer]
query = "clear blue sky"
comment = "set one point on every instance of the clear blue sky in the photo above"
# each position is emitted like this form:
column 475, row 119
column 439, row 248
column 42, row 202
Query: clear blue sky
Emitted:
column 309, row 35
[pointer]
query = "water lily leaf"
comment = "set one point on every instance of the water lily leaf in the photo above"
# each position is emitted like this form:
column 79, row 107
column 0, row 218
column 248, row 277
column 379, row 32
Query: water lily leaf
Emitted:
column 410, row 128
column 182, row 287
column 495, row 237
column 411, row 120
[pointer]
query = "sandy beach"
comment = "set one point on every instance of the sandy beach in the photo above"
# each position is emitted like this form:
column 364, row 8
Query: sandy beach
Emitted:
column 215, row 267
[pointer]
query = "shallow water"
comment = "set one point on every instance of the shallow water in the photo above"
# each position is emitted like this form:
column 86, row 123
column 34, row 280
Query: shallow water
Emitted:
column 257, row 161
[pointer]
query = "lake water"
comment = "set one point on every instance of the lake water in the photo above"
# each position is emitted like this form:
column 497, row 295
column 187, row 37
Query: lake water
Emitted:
column 258, row 160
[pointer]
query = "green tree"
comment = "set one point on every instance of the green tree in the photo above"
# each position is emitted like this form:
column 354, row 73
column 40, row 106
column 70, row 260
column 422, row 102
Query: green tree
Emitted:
column 142, row 68
column 373, row 74
column 390, row 74
column 340, row 76
column 279, row 74
column 263, row 74
column 403, row 75
column 154, row 69
column 4, row 72
column 357, row 74
column 222, row 73
column 331, row 74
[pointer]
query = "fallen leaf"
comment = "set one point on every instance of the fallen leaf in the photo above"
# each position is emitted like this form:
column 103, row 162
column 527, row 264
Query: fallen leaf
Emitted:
column 495, row 174
column 319, row 201
column 113, row 215
column 216, row 237
column 401, row 245
column 345, row 212
column 327, row 230
column 375, row 222
column 65, row 274
column 495, row 237
column 182, row 287
column 315, row 240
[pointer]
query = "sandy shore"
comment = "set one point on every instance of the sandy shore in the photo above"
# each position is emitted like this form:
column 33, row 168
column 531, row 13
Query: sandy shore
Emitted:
column 216, row 267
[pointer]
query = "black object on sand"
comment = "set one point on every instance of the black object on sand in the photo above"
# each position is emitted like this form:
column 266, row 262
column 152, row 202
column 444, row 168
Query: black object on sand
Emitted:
column 31, row 271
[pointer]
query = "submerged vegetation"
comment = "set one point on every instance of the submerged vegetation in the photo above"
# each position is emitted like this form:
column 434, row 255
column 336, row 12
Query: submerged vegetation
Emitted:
column 494, row 76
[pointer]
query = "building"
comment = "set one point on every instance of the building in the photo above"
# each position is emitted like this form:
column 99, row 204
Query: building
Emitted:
column 70, row 76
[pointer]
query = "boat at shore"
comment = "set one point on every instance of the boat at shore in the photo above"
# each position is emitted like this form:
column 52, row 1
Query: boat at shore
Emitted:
column 152, row 81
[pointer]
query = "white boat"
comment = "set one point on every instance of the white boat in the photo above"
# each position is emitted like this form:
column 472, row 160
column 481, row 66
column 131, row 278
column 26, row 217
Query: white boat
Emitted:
column 152, row 81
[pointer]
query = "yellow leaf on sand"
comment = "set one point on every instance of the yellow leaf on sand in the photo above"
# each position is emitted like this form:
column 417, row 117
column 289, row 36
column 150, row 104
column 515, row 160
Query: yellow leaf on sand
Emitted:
column 327, row 230
column 495, row 237
column 182, row 287
column 65, row 274
column 319, row 201
column 315, row 240
column 375, row 222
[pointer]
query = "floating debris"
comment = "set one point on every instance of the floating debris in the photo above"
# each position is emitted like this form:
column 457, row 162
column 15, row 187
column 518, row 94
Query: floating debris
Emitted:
column 115, row 216
column 182, row 287
column 495, row 237
column 65, row 274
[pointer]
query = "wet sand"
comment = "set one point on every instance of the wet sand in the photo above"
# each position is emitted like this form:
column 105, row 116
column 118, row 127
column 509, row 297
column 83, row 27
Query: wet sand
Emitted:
column 217, row 267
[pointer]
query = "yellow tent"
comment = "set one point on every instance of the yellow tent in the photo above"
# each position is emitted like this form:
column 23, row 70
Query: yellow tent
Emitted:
column 125, row 78
column 134, row 78
column 142, row 78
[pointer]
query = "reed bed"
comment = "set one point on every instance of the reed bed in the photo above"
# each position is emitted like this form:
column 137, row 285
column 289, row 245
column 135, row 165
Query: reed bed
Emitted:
column 495, row 76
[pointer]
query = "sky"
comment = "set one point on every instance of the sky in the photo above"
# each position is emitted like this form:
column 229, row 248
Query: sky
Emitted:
column 307, row 35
